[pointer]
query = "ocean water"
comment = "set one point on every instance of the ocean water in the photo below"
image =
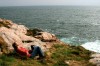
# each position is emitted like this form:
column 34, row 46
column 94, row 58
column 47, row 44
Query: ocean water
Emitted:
column 75, row 25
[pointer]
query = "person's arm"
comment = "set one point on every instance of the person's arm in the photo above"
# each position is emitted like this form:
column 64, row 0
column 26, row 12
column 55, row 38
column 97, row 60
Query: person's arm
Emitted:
column 28, row 54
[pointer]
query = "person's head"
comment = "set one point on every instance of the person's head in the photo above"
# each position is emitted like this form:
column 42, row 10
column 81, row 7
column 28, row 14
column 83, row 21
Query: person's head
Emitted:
column 14, row 45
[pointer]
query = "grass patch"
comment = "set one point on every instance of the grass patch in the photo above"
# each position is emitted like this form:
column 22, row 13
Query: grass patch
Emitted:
column 72, row 53
column 59, row 54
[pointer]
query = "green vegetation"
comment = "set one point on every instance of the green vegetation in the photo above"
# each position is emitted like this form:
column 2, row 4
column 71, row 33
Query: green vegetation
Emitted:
column 71, row 54
column 58, row 55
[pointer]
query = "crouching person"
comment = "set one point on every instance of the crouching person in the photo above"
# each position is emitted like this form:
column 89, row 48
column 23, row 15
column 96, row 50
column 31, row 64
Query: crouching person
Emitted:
column 35, row 50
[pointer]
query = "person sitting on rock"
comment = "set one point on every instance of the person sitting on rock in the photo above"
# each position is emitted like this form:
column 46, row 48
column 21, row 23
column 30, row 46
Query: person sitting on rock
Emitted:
column 35, row 50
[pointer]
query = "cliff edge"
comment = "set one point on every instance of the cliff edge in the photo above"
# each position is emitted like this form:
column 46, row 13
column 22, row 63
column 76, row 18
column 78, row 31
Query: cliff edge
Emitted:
column 57, row 53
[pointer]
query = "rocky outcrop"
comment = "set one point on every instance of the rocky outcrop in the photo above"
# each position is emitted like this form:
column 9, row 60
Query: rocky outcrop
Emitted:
column 11, row 32
column 95, row 59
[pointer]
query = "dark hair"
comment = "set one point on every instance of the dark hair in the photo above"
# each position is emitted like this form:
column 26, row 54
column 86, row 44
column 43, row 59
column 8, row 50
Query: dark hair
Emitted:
column 14, row 45
column 32, row 47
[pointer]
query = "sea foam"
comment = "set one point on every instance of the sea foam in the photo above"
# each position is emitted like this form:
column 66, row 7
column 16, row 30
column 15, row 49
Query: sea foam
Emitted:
column 74, row 40
column 92, row 46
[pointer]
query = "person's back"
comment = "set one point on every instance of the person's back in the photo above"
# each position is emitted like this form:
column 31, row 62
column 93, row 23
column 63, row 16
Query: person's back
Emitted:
column 23, row 51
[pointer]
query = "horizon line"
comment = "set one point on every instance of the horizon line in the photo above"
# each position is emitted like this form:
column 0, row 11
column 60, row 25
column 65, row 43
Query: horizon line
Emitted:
column 46, row 5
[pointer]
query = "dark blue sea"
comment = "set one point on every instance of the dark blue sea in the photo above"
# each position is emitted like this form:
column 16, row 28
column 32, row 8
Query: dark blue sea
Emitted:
column 72, row 24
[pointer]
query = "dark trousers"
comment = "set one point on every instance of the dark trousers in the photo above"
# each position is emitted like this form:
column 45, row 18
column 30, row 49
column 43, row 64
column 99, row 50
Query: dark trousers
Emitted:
column 36, row 50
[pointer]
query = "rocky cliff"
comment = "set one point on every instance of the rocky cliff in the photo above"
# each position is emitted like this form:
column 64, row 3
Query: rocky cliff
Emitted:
column 11, row 32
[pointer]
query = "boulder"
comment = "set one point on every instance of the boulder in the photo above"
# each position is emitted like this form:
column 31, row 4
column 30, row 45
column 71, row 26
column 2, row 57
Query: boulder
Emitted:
column 45, row 36
column 42, row 35
column 34, row 32
column 95, row 59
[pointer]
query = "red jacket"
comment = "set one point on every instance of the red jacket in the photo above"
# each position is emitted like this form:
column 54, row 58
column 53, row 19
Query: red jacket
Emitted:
column 23, row 51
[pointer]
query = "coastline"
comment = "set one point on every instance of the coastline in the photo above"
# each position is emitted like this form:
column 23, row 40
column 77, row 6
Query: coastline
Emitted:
column 11, row 32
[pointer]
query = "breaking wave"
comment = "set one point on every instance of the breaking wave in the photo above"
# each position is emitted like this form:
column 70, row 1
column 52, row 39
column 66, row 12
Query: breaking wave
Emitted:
column 92, row 46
